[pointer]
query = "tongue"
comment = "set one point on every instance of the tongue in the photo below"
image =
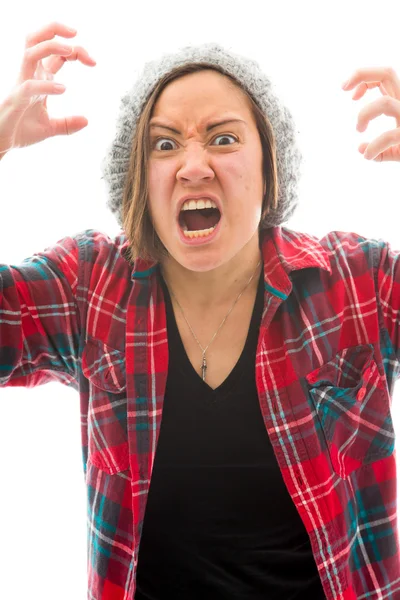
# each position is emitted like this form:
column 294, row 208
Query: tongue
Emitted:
column 198, row 219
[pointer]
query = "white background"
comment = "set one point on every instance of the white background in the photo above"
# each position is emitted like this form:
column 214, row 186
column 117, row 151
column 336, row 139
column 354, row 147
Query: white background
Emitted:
column 53, row 189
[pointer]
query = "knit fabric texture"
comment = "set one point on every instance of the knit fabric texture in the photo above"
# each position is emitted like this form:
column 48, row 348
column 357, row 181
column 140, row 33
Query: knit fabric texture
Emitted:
column 247, row 71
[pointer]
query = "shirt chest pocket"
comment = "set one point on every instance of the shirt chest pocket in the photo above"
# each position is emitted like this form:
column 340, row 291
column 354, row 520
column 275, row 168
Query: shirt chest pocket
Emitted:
column 352, row 404
column 105, row 369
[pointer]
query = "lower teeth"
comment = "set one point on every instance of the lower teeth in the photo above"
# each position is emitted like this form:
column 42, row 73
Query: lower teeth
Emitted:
column 198, row 233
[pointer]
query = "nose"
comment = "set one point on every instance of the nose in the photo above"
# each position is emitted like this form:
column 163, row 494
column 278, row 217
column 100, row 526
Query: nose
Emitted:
column 195, row 164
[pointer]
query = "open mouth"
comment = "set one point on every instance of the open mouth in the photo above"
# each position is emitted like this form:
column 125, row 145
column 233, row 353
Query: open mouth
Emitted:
column 199, row 222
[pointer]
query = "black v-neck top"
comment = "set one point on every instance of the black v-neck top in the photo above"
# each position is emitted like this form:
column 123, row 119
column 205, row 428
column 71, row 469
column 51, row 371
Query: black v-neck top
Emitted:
column 183, row 368
column 219, row 521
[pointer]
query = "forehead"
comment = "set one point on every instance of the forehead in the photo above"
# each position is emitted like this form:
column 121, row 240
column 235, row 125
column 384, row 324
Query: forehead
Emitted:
column 204, row 96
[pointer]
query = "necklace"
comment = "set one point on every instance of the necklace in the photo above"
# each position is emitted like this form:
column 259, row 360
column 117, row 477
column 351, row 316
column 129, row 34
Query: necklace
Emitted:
column 204, row 362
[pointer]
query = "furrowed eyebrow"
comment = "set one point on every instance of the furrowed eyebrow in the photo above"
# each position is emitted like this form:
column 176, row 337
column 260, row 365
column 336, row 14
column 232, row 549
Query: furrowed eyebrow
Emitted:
column 208, row 128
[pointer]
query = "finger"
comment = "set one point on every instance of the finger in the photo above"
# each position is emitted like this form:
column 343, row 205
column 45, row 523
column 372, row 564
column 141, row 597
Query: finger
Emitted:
column 48, row 32
column 32, row 91
column 364, row 87
column 54, row 63
column 362, row 147
column 382, row 106
column 386, row 147
column 384, row 76
column 67, row 125
column 34, row 54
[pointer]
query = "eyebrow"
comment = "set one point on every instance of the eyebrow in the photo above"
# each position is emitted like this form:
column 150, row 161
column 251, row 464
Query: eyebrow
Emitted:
column 208, row 128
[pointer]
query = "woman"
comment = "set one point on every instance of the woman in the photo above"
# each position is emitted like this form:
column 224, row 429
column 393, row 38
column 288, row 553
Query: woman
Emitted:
column 256, row 360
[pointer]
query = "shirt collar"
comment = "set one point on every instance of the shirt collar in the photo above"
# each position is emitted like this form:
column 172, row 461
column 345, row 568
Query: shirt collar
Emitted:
column 283, row 251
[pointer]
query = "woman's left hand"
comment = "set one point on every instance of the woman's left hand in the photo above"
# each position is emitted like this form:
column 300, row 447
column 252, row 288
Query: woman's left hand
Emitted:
column 387, row 145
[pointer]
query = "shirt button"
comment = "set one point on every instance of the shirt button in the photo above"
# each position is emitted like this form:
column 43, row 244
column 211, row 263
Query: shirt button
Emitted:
column 361, row 394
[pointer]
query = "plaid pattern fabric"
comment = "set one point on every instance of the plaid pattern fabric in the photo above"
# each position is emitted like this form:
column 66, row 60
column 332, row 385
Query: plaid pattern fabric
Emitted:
column 327, row 359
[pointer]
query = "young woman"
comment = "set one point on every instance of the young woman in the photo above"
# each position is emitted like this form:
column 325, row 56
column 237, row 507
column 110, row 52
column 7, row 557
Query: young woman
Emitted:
column 241, row 368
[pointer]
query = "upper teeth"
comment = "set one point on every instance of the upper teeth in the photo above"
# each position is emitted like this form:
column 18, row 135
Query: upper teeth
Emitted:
column 198, row 204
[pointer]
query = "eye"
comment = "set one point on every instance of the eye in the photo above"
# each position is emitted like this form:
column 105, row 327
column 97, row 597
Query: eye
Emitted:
column 224, row 135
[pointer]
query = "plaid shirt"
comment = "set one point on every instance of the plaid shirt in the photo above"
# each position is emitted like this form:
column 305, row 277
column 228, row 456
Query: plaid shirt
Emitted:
column 327, row 360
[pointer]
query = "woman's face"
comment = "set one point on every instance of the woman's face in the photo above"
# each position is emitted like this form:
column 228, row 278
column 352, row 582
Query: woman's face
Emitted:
column 225, row 161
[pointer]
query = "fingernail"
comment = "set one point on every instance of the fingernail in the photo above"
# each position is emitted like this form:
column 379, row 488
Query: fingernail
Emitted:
column 71, row 29
column 344, row 86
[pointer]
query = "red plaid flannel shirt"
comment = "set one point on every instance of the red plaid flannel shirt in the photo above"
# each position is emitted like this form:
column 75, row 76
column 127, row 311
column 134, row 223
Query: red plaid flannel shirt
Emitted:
column 327, row 360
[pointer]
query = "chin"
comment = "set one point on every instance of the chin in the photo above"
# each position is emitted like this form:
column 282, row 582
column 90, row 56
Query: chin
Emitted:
column 200, row 264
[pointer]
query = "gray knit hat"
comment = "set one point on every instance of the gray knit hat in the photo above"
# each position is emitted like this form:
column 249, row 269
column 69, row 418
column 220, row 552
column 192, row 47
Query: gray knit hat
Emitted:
column 115, row 164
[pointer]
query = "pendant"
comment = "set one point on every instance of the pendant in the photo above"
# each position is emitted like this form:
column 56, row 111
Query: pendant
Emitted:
column 204, row 367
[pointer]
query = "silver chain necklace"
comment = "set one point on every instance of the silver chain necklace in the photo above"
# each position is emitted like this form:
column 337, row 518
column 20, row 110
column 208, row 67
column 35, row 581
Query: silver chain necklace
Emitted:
column 204, row 362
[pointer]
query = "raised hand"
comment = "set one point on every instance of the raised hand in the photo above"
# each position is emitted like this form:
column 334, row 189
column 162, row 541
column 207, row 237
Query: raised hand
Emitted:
column 24, row 119
column 386, row 146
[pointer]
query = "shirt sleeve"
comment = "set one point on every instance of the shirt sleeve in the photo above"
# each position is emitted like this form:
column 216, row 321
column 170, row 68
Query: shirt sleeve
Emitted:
column 39, row 318
column 387, row 281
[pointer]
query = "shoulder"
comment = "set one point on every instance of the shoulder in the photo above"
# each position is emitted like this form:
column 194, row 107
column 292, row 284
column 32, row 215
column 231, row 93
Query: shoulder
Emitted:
column 339, row 247
column 96, row 246
column 339, row 253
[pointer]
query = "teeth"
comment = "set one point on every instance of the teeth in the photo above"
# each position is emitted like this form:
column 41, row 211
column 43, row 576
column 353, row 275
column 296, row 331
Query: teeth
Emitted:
column 199, row 204
column 198, row 233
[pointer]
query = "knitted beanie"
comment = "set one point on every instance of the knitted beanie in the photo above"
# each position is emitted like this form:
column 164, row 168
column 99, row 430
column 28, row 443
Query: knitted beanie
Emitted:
column 114, row 166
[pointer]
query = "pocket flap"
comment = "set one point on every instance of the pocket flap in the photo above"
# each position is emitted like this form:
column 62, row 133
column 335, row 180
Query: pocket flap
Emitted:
column 112, row 460
column 104, row 366
column 345, row 369
column 352, row 409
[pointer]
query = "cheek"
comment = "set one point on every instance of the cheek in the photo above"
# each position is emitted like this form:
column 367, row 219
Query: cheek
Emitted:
column 158, row 192
column 157, row 212
column 153, row 178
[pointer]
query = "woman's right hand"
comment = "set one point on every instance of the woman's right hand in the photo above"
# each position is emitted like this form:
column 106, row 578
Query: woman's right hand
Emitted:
column 23, row 114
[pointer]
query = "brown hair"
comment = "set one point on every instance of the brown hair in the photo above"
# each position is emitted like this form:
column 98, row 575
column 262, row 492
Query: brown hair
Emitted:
column 143, row 240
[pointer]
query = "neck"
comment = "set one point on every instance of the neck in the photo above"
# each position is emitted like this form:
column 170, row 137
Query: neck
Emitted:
column 218, row 287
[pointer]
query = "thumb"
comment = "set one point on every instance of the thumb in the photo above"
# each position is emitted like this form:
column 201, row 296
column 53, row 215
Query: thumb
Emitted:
column 67, row 125
column 362, row 147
